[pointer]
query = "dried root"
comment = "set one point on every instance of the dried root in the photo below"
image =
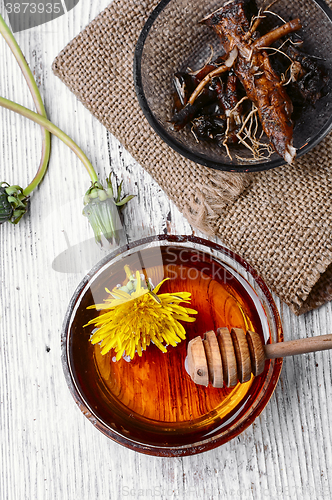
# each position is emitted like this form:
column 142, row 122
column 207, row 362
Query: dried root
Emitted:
column 247, row 62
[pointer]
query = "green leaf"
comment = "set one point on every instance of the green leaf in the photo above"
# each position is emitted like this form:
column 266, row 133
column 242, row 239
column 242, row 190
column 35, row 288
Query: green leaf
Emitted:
column 125, row 200
column 109, row 184
column 119, row 192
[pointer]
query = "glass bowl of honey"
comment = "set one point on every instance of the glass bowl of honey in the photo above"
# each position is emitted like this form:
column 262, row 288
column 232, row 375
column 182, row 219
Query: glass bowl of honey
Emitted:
column 149, row 403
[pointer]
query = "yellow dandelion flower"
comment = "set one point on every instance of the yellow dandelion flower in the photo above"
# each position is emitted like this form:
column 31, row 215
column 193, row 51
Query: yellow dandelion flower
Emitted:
column 134, row 316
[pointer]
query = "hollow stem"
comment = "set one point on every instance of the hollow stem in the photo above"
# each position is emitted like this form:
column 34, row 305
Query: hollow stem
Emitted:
column 206, row 79
column 46, row 137
column 44, row 122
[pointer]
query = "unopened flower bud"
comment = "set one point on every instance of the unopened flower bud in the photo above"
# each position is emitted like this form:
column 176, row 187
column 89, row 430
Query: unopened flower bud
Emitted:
column 13, row 203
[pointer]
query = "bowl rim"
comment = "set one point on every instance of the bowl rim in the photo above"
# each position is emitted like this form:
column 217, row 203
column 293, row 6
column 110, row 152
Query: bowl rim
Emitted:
column 169, row 451
column 177, row 145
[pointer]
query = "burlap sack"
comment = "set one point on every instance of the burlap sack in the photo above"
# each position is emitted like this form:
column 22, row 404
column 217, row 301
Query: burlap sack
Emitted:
column 278, row 220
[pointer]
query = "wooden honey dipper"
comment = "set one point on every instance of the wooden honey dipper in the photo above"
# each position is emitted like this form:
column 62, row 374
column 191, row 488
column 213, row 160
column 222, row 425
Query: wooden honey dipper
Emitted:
column 231, row 356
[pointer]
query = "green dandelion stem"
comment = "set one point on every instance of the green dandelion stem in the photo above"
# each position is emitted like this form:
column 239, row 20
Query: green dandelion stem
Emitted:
column 44, row 122
column 46, row 137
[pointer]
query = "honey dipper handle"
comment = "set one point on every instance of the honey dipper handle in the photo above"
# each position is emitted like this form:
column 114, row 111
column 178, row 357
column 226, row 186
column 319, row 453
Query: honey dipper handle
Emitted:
column 300, row 346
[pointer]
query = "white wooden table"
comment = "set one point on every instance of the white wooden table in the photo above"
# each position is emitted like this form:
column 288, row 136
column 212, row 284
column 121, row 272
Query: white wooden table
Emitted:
column 48, row 449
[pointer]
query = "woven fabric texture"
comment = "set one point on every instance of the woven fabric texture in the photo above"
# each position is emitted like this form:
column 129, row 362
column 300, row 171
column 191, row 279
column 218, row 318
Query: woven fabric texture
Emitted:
column 278, row 220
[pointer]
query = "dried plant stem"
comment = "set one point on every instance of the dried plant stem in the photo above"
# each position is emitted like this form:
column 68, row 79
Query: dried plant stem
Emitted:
column 225, row 140
column 274, row 14
column 245, row 98
column 274, row 35
column 277, row 50
column 257, row 20
column 206, row 79
column 246, row 132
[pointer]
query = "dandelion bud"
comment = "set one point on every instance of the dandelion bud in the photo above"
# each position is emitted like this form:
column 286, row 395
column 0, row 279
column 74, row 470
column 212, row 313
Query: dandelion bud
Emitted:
column 13, row 203
column 102, row 213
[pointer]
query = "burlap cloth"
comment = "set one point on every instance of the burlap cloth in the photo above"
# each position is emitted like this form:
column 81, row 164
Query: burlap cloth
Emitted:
column 278, row 220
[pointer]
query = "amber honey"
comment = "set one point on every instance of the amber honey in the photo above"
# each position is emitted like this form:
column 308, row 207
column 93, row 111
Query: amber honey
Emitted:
column 151, row 399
